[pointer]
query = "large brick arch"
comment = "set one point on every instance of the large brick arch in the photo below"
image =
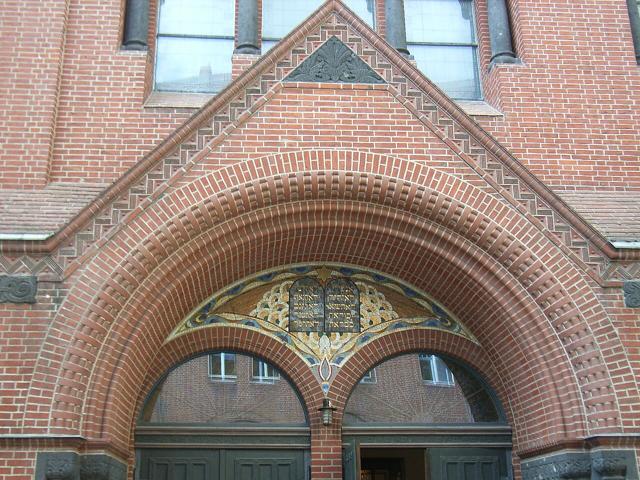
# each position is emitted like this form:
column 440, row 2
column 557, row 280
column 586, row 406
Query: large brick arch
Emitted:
column 505, row 278
column 149, row 309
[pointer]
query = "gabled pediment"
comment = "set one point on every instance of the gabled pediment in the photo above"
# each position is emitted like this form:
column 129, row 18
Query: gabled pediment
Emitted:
column 334, row 46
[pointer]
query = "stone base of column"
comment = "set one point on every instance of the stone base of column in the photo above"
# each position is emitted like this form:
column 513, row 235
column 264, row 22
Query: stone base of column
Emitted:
column 582, row 465
column 504, row 57
column 74, row 466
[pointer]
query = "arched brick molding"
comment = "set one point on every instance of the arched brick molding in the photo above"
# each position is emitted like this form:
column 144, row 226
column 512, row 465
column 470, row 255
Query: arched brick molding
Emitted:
column 397, row 200
column 466, row 276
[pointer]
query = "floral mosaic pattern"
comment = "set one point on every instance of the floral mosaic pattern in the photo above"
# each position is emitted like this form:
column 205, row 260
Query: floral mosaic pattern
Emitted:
column 270, row 314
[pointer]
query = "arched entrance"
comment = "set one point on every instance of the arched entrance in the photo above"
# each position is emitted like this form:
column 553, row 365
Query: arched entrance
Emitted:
column 326, row 315
column 487, row 263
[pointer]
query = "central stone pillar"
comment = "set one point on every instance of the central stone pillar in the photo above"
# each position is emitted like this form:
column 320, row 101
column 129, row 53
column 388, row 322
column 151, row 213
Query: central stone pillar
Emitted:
column 247, row 36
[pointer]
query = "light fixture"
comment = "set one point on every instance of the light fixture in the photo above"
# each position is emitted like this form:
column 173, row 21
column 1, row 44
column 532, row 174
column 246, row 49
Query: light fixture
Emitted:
column 327, row 412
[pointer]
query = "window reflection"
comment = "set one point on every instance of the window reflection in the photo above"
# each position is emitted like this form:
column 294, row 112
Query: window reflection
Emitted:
column 419, row 389
column 224, row 388
column 194, row 45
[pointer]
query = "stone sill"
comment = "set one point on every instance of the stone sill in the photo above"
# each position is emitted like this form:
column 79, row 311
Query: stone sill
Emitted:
column 475, row 108
column 478, row 108
column 177, row 100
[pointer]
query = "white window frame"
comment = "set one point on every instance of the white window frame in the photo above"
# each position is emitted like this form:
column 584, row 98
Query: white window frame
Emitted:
column 433, row 360
column 222, row 376
column 264, row 375
column 370, row 377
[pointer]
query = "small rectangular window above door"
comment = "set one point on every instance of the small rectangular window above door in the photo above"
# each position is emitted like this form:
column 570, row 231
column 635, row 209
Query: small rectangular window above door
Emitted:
column 262, row 372
column 435, row 371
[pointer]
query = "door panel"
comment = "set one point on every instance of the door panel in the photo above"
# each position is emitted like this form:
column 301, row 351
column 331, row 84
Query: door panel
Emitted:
column 467, row 464
column 215, row 464
column 167, row 464
column 349, row 461
column 264, row 465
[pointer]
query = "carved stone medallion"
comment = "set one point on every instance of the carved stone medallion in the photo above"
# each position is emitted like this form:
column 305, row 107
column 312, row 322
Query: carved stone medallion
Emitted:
column 632, row 294
column 334, row 62
column 18, row 289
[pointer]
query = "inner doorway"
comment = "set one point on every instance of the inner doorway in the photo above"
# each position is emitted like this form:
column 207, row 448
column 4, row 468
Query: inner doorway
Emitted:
column 392, row 464
column 421, row 416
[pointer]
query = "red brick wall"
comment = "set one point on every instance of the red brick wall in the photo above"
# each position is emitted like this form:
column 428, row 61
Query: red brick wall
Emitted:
column 570, row 108
column 17, row 464
column 73, row 111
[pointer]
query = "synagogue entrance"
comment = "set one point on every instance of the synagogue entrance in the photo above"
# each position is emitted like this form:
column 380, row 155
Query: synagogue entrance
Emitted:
column 416, row 414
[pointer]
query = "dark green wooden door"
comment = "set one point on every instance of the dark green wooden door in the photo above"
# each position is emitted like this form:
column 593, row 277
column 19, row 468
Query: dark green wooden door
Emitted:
column 467, row 464
column 350, row 460
column 219, row 464
column 263, row 465
column 183, row 464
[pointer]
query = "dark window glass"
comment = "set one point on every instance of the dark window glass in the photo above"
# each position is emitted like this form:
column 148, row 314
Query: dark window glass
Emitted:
column 369, row 377
column 263, row 372
column 435, row 371
column 222, row 366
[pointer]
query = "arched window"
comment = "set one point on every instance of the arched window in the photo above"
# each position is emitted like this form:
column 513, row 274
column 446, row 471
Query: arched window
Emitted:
column 422, row 416
column 223, row 415
column 224, row 388
column 194, row 45
column 441, row 37
column 279, row 17
column 417, row 389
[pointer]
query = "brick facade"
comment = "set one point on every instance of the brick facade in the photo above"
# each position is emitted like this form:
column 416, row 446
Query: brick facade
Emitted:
column 509, row 212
